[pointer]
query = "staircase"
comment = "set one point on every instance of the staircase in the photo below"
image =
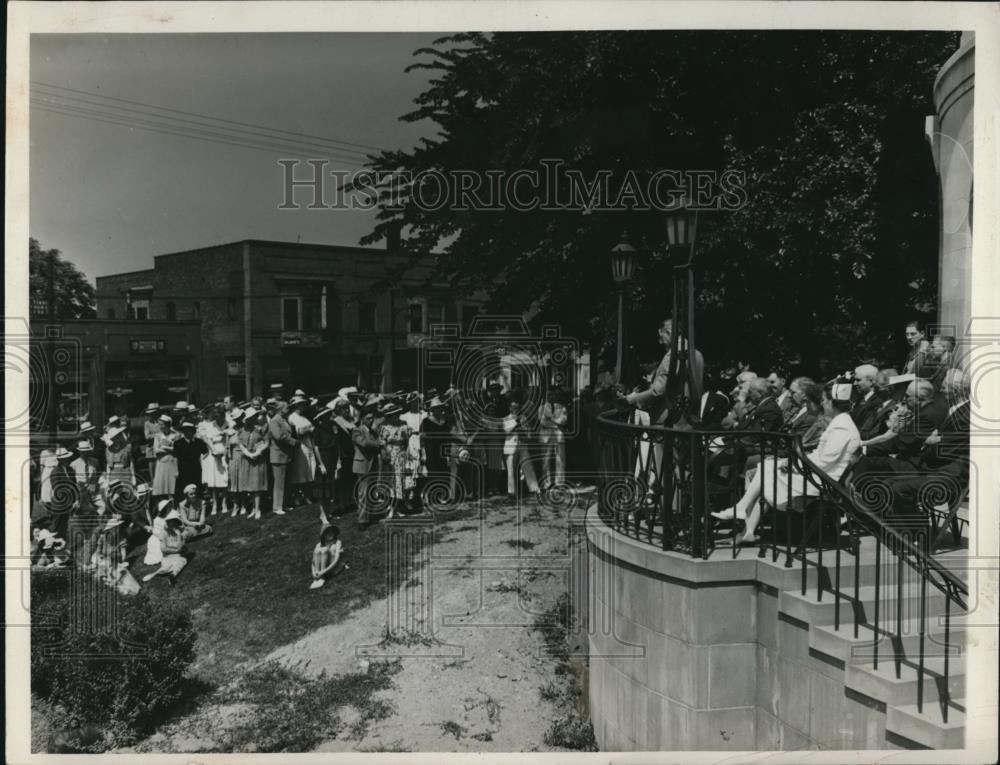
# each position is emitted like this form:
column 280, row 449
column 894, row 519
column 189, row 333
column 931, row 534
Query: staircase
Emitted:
column 886, row 674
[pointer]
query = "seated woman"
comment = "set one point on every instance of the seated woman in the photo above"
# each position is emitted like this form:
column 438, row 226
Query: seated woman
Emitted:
column 192, row 513
column 171, row 541
column 326, row 554
column 835, row 451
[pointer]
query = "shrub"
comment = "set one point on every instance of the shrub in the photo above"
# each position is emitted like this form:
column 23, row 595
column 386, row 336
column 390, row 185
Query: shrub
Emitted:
column 124, row 675
column 570, row 732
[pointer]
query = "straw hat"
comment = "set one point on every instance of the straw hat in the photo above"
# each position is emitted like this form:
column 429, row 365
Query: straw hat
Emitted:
column 167, row 419
column 152, row 408
column 63, row 453
column 84, row 446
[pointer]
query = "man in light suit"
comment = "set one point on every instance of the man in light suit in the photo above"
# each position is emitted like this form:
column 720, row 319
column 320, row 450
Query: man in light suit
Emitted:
column 550, row 435
column 283, row 445
column 654, row 399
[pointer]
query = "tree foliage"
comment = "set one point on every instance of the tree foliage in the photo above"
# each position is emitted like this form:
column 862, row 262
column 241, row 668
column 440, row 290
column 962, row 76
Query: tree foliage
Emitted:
column 833, row 249
column 74, row 295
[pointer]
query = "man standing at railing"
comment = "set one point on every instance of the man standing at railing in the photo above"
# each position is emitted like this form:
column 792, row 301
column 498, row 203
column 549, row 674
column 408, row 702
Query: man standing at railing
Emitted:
column 654, row 399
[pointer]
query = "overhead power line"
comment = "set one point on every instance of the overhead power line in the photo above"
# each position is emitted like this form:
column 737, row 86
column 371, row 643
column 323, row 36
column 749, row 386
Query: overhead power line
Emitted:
column 180, row 131
column 315, row 138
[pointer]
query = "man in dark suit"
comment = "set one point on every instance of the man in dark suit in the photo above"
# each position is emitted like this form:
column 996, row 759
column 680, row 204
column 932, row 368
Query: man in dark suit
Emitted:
column 283, row 443
column 928, row 413
column 944, row 457
column 868, row 403
column 765, row 414
column 776, row 381
column 801, row 419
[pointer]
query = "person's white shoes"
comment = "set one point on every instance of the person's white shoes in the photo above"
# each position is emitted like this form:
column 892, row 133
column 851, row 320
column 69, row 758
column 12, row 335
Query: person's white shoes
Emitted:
column 279, row 511
column 729, row 514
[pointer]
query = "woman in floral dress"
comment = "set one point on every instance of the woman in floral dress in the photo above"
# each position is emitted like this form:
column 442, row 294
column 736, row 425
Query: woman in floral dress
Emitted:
column 395, row 438
column 252, row 467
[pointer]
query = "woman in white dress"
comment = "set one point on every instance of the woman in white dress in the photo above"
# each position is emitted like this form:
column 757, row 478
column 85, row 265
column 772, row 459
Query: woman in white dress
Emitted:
column 837, row 447
column 214, row 464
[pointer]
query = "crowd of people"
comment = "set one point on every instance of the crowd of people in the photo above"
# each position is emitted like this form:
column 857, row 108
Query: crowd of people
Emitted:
column 374, row 455
column 105, row 498
column 906, row 428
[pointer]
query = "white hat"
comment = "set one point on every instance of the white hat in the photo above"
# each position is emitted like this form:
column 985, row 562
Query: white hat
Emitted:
column 299, row 392
column 162, row 504
column 297, row 399
column 249, row 413
column 236, row 413
column 187, row 424
column 84, row 446
column 141, row 490
column 337, row 402
column 190, row 487
column 181, row 405
column 842, row 391
column 114, row 419
column 63, row 453
column 173, row 515
column 166, row 418
column 85, row 426
column 114, row 433
column 343, row 392
column 152, row 408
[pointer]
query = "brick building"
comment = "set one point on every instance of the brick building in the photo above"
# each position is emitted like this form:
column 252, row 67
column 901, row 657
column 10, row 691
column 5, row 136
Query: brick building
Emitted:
column 302, row 314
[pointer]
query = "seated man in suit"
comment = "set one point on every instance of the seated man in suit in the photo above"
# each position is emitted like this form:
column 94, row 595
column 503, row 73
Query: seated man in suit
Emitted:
column 867, row 402
column 777, row 381
column 943, row 462
column 713, row 407
column 907, row 446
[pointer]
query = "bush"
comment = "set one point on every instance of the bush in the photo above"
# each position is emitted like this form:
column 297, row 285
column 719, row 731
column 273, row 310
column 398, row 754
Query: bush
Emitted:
column 122, row 676
column 570, row 732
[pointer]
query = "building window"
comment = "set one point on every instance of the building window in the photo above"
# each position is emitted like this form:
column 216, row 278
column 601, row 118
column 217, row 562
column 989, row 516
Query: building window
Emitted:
column 141, row 309
column 111, row 313
column 231, row 309
column 416, row 318
column 171, row 312
column 366, row 318
column 306, row 308
column 435, row 314
column 196, row 309
column 290, row 314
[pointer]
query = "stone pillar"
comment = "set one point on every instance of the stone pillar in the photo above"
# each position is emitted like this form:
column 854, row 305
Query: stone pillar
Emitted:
column 949, row 131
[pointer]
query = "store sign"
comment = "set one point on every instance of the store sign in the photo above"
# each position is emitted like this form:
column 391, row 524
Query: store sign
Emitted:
column 148, row 346
column 302, row 340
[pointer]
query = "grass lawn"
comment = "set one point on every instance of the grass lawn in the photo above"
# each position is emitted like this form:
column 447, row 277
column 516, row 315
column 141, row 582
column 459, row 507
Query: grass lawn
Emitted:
column 247, row 585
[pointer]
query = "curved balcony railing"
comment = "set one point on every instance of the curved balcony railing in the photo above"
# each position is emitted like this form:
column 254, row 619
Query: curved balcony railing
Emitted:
column 661, row 485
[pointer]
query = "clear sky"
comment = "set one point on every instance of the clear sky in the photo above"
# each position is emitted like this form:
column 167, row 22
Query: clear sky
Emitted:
column 113, row 195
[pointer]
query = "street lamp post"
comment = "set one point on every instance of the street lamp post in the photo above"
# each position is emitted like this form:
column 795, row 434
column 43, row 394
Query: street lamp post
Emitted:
column 682, row 231
column 623, row 257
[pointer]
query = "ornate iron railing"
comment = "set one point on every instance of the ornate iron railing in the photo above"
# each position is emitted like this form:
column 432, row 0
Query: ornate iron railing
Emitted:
column 661, row 485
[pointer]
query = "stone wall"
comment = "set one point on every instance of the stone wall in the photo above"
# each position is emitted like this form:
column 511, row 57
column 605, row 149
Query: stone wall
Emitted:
column 688, row 654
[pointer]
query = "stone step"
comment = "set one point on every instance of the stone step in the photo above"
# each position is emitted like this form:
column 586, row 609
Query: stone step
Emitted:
column 882, row 684
column 808, row 609
column 841, row 644
column 927, row 727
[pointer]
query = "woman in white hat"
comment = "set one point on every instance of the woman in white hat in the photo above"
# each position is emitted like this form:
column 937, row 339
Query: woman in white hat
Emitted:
column 215, row 462
column 119, row 457
column 777, row 484
column 165, row 480
column 234, row 498
column 171, row 539
column 149, row 430
column 251, row 472
column 306, row 460
column 394, row 436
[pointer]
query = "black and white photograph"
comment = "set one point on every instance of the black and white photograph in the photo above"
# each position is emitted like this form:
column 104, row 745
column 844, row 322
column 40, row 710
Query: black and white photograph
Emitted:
column 502, row 379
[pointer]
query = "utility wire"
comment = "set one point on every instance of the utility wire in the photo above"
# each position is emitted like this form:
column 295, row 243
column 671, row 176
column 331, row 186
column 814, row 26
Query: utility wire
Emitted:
column 204, row 116
column 184, row 132
column 160, row 118
column 215, row 138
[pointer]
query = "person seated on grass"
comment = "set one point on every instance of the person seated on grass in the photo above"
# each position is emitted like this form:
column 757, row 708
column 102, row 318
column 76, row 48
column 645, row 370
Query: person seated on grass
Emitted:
column 781, row 483
column 108, row 561
column 192, row 512
column 326, row 554
column 171, row 538
column 48, row 548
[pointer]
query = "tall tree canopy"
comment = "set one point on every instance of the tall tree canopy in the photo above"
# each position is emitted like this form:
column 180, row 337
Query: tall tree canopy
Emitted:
column 834, row 243
column 74, row 295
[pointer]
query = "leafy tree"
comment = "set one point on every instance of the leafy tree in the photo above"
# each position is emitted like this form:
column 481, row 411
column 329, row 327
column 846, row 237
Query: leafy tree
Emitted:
column 833, row 247
column 74, row 295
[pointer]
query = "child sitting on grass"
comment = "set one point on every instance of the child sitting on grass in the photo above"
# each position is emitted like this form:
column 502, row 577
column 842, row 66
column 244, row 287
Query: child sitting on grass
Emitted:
column 326, row 554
